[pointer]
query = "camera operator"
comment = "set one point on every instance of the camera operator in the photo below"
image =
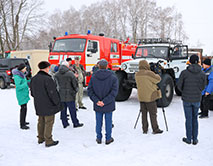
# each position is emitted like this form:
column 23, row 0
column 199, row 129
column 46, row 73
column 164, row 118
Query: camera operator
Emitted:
column 148, row 93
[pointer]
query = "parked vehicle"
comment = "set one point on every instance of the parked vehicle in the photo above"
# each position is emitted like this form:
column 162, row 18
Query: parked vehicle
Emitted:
column 90, row 49
column 6, row 67
column 167, row 57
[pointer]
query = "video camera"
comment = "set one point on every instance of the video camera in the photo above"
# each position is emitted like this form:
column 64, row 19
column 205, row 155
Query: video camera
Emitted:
column 156, row 67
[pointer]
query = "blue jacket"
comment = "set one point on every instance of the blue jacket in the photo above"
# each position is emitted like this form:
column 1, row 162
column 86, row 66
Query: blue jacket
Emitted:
column 103, row 86
column 209, row 86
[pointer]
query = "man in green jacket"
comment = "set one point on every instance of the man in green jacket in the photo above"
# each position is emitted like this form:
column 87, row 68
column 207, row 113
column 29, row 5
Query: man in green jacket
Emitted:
column 148, row 93
column 80, row 73
column 22, row 93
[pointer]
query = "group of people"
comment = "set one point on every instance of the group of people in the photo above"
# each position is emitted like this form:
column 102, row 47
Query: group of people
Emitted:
column 55, row 91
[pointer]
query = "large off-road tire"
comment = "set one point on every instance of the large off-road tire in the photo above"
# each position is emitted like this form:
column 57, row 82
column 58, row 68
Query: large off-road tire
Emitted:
column 167, row 89
column 123, row 93
column 2, row 83
column 177, row 91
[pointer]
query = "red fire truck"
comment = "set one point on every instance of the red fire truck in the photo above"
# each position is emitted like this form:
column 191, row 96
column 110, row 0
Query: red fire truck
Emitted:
column 90, row 49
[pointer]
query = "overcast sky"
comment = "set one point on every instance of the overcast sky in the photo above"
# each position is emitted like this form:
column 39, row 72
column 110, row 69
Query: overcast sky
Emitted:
column 197, row 17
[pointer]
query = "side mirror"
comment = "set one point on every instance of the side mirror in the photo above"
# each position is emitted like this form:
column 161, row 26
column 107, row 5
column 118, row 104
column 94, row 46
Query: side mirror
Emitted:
column 133, row 57
column 50, row 47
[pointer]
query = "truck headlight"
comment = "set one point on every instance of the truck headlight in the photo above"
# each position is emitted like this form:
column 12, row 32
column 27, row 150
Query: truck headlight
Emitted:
column 124, row 66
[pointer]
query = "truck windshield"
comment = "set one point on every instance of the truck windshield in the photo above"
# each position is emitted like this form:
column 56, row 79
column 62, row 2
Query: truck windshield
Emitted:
column 152, row 52
column 69, row 45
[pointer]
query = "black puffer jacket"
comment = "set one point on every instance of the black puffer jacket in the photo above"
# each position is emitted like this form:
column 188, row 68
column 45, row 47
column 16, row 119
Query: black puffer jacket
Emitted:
column 191, row 83
column 46, row 98
column 67, row 84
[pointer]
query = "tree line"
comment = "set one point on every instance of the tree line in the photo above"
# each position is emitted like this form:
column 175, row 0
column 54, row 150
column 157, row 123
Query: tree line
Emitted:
column 23, row 25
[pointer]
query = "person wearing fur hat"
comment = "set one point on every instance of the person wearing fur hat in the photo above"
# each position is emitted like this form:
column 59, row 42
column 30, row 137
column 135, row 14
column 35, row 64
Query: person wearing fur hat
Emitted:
column 148, row 93
column 208, row 91
column 22, row 92
column 47, row 103
column 191, row 83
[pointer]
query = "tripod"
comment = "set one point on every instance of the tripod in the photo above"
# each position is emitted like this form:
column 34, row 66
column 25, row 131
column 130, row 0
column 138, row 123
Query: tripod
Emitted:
column 164, row 115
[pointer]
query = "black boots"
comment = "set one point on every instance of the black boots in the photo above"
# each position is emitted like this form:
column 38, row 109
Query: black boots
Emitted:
column 109, row 141
column 186, row 141
column 25, row 127
column 52, row 144
column 158, row 131
column 98, row 141
column 78, row 125
column 84, row 108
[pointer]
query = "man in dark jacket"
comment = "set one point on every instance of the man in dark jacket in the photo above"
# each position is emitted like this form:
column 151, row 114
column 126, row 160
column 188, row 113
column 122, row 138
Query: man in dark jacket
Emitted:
column 208, row 91
column 68, row 87
column 47, row 103
column 102, row 90
column 191, row 83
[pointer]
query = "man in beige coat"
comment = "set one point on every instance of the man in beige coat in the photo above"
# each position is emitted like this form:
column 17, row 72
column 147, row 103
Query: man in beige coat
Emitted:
column 148, row 93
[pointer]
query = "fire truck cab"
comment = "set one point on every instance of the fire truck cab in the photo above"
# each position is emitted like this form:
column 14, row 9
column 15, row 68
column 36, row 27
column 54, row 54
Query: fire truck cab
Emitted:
column 90, row 49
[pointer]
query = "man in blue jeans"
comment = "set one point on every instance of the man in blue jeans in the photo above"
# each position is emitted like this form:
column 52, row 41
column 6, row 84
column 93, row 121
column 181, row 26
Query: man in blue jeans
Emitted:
column 68, row 86
column 191, row 83
column 102, row 90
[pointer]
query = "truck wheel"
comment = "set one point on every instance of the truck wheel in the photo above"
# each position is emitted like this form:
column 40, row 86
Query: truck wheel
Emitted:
column 2, row 83
column 167, row 89
column 178, row 93
column 123, row 93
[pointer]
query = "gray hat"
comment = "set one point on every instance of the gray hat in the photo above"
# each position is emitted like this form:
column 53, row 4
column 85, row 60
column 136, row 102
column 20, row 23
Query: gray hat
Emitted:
column 103, row 63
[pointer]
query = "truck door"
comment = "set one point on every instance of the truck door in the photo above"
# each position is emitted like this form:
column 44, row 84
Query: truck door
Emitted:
column 92, row 54
column 179, row 59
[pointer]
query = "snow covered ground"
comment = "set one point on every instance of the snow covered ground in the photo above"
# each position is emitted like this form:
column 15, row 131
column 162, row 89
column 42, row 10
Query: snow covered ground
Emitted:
column 77, row 147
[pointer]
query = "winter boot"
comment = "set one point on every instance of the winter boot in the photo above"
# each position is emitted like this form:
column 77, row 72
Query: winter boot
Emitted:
column 78, row 125
column 186, row 141
column 25, row 127
column 98, row 141
column 195, row 142
column 158, row 131
column 52, row 144
column 109, row 141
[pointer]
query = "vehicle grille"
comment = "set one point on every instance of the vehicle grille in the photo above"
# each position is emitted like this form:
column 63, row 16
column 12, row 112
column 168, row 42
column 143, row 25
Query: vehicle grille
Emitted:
column 133, row 67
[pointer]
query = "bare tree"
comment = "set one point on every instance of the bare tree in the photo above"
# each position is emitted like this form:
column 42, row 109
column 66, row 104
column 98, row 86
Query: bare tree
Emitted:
column 17, row 18
column 115, row 18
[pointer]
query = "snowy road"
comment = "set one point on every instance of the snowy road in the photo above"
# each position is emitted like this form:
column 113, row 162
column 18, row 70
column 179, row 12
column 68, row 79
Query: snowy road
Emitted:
column 77, row 147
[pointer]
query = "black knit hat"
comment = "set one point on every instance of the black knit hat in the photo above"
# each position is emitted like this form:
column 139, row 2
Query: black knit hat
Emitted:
column 69, row 59
column 43, row 65
column 207, row 62
column 194, row 59
column 21, row 66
